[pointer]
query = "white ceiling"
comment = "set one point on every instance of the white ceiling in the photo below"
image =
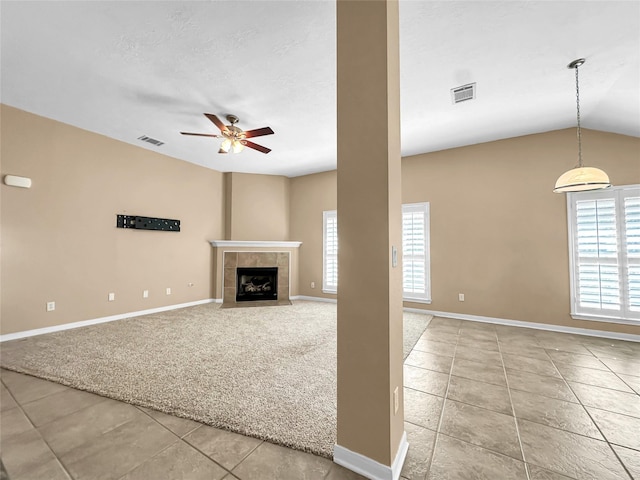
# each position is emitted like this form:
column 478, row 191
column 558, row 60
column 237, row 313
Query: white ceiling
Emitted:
column 130, row 68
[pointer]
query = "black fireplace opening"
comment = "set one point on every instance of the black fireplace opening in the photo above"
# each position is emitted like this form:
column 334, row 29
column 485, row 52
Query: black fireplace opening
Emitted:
column 256, row 283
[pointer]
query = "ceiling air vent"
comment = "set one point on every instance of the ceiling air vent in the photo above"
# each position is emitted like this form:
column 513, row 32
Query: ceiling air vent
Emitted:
column 463, row 93
column 150, row 140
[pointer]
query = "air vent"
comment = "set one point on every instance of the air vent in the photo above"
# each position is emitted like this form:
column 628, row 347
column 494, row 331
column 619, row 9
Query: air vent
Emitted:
column 463, row 93
column 150, row 140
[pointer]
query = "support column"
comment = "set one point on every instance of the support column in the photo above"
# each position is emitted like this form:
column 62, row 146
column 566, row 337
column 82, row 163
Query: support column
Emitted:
column 371, row 438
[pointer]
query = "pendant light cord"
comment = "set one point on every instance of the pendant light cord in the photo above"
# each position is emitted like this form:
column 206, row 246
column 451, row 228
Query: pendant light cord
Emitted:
column 578, row 117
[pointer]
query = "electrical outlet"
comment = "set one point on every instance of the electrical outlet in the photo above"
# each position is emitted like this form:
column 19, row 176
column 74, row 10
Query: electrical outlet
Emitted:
column 313, row 284
column 190, row 284
column 112, row 297
column 168, row 290
column 145, row 294
column 396, row 403
column 51, row 306
column 461, row 297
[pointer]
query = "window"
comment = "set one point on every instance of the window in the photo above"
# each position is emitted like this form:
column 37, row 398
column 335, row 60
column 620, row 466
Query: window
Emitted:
column 415, row 251
column 330, row 252
column 604, row 251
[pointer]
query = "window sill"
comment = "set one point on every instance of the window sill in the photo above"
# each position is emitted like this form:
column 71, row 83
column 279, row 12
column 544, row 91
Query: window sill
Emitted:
column 597, row 318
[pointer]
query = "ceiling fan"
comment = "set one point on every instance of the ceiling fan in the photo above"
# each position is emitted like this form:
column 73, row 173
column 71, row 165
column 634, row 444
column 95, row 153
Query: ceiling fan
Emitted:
column 235, row 139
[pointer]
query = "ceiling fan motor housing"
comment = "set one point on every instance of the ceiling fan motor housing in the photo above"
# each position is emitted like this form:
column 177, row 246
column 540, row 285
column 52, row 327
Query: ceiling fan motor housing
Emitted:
column 234, row 133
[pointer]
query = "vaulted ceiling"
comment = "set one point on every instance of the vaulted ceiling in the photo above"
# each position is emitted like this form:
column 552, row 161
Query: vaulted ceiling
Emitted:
column 125, row 69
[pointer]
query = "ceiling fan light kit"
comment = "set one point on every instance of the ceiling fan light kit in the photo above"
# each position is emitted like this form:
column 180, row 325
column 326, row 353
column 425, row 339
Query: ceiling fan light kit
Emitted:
column 581, row 178
column 234, row 138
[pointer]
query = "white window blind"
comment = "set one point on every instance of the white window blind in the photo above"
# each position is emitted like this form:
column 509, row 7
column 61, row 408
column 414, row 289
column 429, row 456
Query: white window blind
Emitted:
column 604, row 237
column 330, row 252
column 415, row 252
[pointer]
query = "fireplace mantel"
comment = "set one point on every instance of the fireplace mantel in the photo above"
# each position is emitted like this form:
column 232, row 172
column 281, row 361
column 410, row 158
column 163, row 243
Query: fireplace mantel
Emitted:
column 254, row 243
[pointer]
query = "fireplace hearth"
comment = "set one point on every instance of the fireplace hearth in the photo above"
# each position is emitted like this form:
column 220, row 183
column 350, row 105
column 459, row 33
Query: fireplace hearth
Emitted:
column 256, row 283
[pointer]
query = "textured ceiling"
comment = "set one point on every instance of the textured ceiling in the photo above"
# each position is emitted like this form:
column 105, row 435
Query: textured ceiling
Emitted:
column 130, row 68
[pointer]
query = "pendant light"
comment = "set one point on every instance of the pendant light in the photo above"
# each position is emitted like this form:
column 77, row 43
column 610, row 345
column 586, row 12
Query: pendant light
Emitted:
column 581, row 178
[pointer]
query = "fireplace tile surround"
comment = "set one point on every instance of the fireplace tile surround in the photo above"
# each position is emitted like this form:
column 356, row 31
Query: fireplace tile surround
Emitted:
column 229, row 255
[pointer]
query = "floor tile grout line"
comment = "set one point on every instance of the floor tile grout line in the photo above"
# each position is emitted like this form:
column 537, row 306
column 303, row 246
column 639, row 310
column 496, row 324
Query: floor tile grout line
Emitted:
column 421, row 426
column 596, row 425
column 477, row 406
column 179, row 439
column 229, row 471
column 617, row 374
column 137, row 407
column 149, row 458
column 37, row 430
column 487, row 449
column 567, row 382
column 430, row 353
column 577, row 403
column 142, row 410
column 561, row 376
column 444, row 402
column 426, row 393
column 622, row 464
column 57, row 457
column 609, row 370
column 29, row 375
column 515, row 418
column 75, row 411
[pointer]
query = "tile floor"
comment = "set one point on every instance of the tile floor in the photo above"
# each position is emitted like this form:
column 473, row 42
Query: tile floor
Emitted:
column 481, row 402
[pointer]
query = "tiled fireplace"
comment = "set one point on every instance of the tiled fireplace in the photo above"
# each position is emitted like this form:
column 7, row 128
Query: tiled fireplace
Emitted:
column 254, row 273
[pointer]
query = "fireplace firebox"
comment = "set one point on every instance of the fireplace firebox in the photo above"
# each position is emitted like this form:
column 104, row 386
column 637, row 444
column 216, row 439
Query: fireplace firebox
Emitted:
column 256, row 283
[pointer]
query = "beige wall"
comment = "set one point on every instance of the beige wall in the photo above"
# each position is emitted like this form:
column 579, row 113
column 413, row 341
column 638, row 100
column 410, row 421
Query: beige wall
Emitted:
column 498, row 233
column 310, row 196
column 257, row 207
column 59, row 240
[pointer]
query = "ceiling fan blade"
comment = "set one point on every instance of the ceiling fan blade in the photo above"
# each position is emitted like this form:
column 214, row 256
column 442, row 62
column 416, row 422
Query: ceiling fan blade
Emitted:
column 217, row 122
column 255, row 146
column 202, row 134
column 258, row 132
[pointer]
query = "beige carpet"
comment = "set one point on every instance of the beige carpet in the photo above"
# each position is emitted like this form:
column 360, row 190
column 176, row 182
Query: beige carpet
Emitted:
column 266, row 372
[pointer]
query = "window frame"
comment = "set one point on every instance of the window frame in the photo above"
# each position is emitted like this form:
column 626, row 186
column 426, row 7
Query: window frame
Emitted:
column 618, row 193
column 423, row 298
column 426, row 296
column 326, row 286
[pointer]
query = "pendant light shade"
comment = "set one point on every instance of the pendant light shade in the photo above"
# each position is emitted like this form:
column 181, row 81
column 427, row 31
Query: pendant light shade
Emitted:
column 581, row 178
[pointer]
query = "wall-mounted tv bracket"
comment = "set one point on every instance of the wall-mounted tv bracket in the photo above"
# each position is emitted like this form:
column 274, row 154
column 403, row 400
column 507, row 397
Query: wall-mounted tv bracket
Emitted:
column 148, row 223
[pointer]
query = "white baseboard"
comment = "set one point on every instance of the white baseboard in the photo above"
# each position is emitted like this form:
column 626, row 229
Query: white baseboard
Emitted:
column 505, row 321
column 417, row 310
column 335, row 300
column 84, row 323
column 217, row 300
column 314, row 299
column 538, row 326
column 368, row 467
